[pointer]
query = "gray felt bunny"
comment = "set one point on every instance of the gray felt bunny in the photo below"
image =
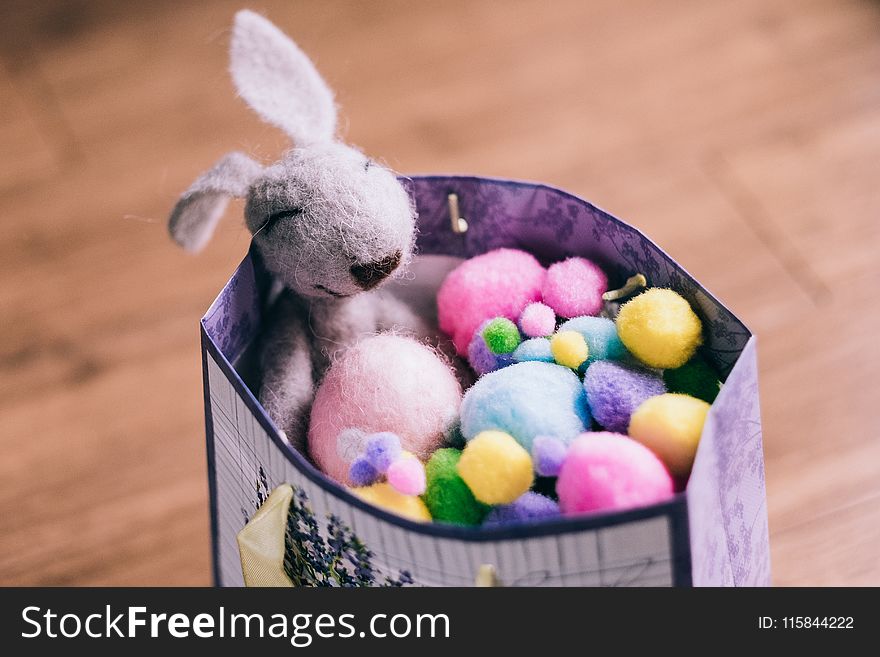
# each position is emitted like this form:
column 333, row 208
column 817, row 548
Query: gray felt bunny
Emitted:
column 329, row 223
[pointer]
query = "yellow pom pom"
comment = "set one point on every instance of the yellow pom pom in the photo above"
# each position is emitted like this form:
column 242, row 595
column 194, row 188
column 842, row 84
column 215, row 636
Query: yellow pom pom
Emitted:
column 660, row 328
column 670, row 425
column 495, row 467
column 386, row 497
column 569, row 349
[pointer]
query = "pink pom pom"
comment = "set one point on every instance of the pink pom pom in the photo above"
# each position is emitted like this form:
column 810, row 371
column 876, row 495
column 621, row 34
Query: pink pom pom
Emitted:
column 537, row 320
column 384, row 383
column 499, row 283
column 407, row 475
column 608, row 471
column 574, row 287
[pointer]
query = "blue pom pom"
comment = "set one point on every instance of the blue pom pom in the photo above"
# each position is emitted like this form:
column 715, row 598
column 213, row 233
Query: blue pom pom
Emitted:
column 533, row 349
column 382, row 448
column 600, row 333
column 548, row 453
column 526, row 508
column 526, row 400
column 362, row 473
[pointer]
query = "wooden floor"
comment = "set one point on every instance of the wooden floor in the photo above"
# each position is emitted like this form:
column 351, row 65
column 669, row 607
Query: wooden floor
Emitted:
column 744, row 137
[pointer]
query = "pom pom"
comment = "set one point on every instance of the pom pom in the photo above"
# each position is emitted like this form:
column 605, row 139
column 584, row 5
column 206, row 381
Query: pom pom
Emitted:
column 362, row 472
column 385, row 497
column 548, row 453
column 350, row 444
column 660, row 328
column 407, row 475
column 537, row 320
column 526, row 400
column 569, row 349
column 574, row 287
column 695, row 378
column 501, row 335
column 481, row 357
column 446, row 495
column 601, row 337
column 383, row 383
column 670, row 425
column 382, row 449
column 496, row 468
column 608, row 472
column 533, row 349
column 499, row 283
column 615, row 390
column 528, row 507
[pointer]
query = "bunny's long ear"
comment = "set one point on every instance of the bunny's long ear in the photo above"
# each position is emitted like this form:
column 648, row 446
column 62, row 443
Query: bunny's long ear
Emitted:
column 279, row 81
column 196, row 214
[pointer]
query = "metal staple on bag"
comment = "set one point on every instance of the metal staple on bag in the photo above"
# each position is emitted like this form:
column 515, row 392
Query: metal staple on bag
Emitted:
column 458, row 223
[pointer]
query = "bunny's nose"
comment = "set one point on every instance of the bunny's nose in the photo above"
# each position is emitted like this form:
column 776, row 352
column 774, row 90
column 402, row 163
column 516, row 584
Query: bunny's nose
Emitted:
column 370, row 274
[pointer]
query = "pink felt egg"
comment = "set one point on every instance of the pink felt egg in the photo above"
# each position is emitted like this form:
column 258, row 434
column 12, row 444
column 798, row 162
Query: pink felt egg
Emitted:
column 574, row 287
column 606, row 471
column 384, row 383
column 407, row 475
column 499, row 283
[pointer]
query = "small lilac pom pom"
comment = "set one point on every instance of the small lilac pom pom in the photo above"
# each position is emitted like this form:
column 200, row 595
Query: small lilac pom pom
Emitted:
column 526, row 508
column 407, row 475
column 382, row 449
column 548, row 453
column 480, row 355
column 614, row 392
column 537, row 320
column 362, row 473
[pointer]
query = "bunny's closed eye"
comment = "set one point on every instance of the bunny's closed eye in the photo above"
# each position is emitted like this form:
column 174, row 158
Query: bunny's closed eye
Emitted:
column 278, row 216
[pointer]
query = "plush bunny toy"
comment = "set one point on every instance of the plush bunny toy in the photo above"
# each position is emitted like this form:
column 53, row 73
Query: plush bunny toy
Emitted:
column 329, row 223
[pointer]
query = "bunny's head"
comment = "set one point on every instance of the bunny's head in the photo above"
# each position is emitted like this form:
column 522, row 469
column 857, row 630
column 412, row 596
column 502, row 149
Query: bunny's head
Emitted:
column 328, row 221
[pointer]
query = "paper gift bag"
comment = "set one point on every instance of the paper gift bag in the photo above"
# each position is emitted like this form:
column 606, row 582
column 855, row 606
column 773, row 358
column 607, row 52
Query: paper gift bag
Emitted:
column 714, row 533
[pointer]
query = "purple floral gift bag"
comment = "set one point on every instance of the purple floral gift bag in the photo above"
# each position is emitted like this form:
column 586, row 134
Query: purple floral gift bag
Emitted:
column 714, row 533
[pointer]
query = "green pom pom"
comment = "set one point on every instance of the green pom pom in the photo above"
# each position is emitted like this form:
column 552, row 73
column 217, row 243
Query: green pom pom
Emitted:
column 446, row 495
column 695, row 378
column 501, row 336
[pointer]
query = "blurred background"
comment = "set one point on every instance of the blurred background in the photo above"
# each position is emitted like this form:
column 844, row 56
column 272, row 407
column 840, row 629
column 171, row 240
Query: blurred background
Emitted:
column 743, row 137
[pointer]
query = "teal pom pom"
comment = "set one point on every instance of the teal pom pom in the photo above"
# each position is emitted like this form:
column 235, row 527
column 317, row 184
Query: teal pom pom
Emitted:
column 600, row 334
column 695, row 378
column 501, row 335
column 533, row 349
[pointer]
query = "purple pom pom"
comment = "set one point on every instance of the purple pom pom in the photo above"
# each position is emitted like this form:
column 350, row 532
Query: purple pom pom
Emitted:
column 382, row 449
column 362, row 473
column 614, row 391
column 527, row 507
column 548, row 453
column 480, row 356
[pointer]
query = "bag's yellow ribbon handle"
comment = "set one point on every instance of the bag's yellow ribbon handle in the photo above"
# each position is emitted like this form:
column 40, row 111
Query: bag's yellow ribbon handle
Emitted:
column 261, row 542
